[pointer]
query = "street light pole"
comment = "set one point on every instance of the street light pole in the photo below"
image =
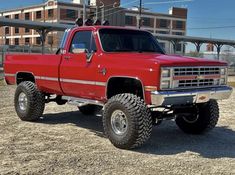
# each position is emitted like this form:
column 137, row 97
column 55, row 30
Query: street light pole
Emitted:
column 97, row 9
column 102, row 10
column 84, row 11
column 140, row 13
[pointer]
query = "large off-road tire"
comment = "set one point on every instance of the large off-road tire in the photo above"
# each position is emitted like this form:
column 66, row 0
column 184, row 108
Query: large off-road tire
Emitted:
column 89, row 109
column 127, row 121
column 29, row 101
column 204, row 120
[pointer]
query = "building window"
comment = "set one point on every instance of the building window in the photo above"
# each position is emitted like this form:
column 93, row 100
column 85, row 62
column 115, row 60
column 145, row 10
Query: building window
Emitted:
column 129, row 20
column 27, row 16
column 17, row 41
column 17, row 30
column 38, row 14
column 146, row 22
column 50, row 40
column 16, row 16
column 163, row 23
column 163, row 32
column 50, row 13
column 179, row 24
column 7, row 42
column 8, row 16
column 38, row 40
column 26, row 41
column 177, row 33
column 26, row 30
column 7, row 30
column 68, row 14
column 178, row 47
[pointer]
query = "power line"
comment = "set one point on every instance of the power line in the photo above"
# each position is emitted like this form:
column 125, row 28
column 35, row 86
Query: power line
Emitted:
column 206, row 28
column 167, row 2
column 111, row 8
column 125, row 4
column 128, row 3
column 209, row 18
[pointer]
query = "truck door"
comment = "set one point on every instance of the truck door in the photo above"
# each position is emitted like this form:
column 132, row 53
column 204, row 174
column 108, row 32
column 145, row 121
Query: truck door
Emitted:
column 77, row 75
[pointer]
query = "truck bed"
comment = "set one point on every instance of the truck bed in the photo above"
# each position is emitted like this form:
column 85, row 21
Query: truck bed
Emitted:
column 39, row 65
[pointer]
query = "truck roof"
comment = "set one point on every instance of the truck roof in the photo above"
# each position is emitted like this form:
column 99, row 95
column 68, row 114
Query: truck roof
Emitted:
column 107, row 27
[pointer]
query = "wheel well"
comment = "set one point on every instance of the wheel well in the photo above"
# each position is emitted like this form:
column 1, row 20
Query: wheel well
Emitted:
column 119, row 85
column 24, row 76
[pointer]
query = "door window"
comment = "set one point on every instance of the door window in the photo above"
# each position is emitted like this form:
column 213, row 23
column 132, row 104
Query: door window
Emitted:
column 84, row 38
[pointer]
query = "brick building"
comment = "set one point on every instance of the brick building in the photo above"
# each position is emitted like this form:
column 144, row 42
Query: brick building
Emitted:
column 54, row 11
column 210, row 47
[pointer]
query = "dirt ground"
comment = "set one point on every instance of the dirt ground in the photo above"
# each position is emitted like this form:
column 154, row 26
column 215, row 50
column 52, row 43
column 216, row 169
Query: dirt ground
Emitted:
column 66, row 142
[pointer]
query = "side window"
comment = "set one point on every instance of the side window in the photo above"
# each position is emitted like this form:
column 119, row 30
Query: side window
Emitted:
column 84, row 38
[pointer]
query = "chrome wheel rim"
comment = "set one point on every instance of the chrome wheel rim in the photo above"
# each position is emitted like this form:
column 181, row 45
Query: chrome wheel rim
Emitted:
column 23, row 101
column 119, row 122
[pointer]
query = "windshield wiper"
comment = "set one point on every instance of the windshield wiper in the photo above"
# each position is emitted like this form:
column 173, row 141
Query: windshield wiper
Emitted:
column 124, row 50
column 141, row 51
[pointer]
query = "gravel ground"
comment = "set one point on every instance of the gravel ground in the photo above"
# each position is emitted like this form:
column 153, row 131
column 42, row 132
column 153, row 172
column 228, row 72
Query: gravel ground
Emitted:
column 66, row 142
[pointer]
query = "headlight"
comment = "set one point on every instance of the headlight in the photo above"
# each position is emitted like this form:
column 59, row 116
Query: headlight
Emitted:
column 165, row 84
column 223, row 71
column 165, row 73
column 166, row 78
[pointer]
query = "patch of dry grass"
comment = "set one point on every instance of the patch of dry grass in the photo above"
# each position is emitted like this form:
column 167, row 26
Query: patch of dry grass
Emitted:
column 231, row 84
column 2, row 83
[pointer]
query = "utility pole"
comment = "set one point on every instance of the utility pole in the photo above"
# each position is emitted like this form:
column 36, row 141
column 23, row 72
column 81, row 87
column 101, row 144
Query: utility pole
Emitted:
column 140, row 13
column 84, row 11
column 4, row 32
column 102, row 11
column 97, row 8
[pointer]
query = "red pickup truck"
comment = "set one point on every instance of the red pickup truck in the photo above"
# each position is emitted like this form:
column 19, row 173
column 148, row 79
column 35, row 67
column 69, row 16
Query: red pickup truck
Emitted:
column 126, row 73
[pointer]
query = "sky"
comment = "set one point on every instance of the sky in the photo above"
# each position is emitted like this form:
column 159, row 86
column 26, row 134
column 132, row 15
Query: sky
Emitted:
column 218, row 16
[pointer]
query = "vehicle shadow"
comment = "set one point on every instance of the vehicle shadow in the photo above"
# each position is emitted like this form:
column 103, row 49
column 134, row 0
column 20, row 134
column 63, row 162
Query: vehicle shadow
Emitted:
column 91, row 122
column 166, row 139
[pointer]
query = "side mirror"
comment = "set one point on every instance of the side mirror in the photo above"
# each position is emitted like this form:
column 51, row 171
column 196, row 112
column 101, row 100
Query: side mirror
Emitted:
column 79, row 48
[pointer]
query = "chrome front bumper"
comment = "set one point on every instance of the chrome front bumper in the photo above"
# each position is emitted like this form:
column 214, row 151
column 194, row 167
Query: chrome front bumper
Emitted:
column 182, row 97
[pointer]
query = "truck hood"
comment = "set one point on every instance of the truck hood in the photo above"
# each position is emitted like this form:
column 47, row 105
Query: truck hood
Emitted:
column 176, row 60
column 170, row 60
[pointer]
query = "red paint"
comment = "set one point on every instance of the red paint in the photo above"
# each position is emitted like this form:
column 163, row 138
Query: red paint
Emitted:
column 143, row 66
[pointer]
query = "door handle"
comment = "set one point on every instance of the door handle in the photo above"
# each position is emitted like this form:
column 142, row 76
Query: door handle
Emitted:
column 67, row 57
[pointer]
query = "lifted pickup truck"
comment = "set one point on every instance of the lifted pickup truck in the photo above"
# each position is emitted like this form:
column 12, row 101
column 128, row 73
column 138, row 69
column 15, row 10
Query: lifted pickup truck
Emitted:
column 126, row 73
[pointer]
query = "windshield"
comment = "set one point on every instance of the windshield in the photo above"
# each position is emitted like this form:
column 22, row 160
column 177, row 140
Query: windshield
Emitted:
column 122, row 40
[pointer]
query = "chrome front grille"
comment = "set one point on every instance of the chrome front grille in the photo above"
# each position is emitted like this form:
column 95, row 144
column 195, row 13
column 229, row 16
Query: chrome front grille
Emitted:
column 196, row 77
column 193, row 77
column 195, row 83
column 196, row 71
